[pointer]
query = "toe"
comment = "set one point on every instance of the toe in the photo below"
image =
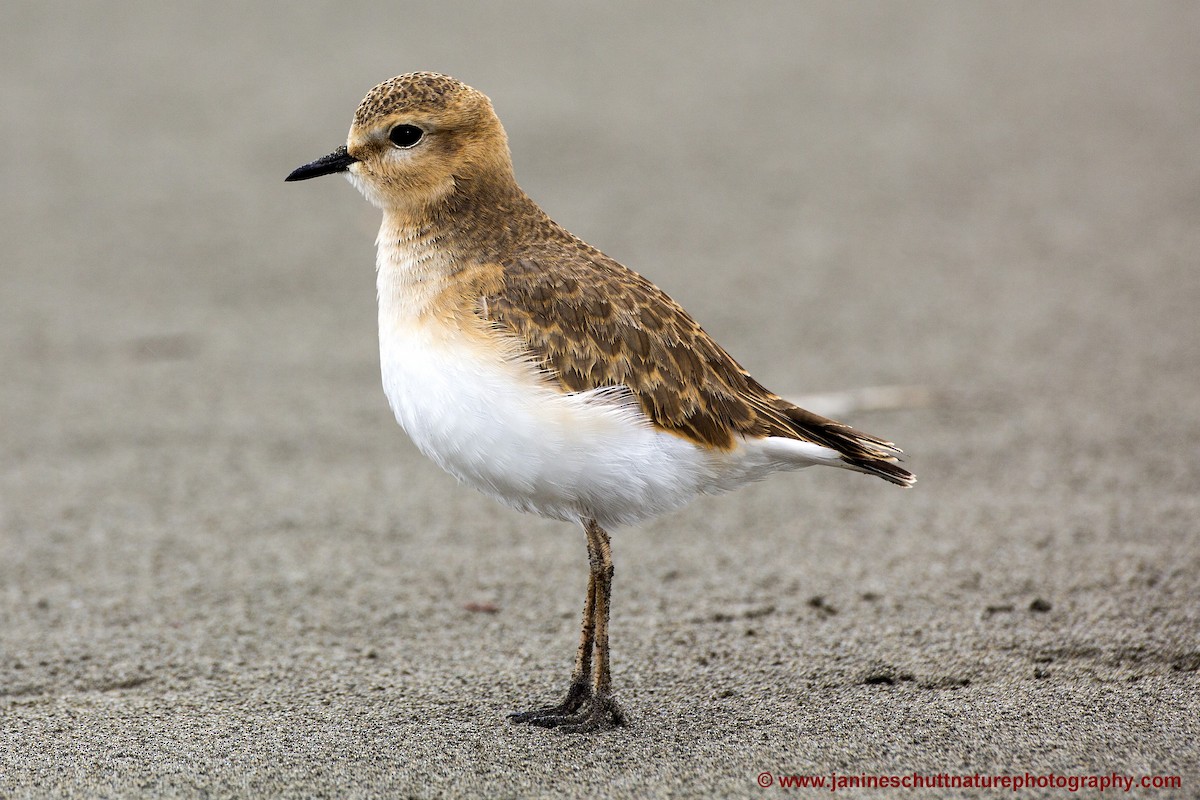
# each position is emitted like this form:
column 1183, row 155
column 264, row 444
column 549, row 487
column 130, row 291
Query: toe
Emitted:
column 577, row 697
column 600, row 713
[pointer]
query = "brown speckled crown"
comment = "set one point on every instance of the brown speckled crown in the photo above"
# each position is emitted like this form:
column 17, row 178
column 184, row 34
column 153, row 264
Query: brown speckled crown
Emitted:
column 415, row 90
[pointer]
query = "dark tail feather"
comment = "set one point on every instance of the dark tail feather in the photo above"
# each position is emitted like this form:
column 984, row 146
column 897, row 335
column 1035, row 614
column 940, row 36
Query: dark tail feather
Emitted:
column 860, row 451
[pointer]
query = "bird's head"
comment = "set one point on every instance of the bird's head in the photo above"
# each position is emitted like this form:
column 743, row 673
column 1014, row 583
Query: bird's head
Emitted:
column 414, row 139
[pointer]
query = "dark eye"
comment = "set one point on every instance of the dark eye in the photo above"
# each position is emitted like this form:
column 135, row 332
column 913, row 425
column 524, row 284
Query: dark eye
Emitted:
column 405, row 135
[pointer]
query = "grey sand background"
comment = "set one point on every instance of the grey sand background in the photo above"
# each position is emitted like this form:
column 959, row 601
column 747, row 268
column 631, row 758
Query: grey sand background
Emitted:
column 225, row 572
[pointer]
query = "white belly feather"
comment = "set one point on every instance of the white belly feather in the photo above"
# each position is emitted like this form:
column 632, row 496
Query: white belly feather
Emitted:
column 566, row 456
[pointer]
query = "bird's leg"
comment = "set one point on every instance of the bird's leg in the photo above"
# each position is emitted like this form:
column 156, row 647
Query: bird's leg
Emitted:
column 581, row 676
column 601, row 710
column 588, row 707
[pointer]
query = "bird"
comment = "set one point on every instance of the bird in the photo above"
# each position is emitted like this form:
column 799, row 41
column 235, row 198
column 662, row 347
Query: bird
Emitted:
column 534, row 368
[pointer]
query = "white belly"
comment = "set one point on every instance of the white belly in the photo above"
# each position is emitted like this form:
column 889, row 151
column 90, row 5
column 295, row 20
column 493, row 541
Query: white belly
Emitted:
column 492, row 424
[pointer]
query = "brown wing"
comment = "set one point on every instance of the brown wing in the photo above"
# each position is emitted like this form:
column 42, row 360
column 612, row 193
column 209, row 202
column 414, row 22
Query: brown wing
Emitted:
column 592, row 323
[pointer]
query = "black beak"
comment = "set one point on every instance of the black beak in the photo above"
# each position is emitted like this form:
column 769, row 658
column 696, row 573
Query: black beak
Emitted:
column 337, row 161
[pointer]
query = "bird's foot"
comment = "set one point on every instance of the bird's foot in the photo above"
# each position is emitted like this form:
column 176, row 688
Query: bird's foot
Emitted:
column 599, row 712
column 581, row 712
column 579, row 693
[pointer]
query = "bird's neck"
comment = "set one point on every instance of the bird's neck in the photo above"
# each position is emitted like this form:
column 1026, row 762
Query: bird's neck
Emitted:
column 425, row 250
column 482, row 216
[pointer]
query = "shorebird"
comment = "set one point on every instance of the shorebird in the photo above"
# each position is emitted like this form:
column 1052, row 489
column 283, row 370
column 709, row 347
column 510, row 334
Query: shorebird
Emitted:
column 540, row 371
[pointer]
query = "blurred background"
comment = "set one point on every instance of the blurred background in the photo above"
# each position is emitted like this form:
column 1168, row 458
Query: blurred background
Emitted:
column 207, row 513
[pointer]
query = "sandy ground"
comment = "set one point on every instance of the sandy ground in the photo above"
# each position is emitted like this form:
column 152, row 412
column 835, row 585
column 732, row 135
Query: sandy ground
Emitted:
column 226, row 573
